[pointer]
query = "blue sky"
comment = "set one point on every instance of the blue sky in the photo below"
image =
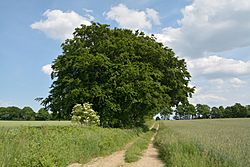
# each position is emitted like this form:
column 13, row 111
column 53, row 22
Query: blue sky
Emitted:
column 212, row 35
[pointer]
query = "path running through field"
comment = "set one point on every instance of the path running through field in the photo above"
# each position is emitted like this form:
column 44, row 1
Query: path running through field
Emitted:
column 149, row 159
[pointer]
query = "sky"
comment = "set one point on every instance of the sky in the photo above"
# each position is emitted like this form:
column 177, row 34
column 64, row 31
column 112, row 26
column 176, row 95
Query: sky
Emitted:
column 213, row 36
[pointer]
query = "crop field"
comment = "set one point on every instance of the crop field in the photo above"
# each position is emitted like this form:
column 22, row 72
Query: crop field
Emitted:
column 192, row 143
column 58, row 145
column 205, row 143
column 33, row 123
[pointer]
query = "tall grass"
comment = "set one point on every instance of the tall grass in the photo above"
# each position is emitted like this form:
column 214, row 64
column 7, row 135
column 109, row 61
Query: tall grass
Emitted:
column 11, row 124
column 58, row 146
column 205, row 143
column 135, row 151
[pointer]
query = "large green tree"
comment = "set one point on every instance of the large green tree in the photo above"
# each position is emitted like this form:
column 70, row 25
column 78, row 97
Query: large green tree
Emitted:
column 203, row 110
column 248, row 110
column 236, row 111
column 28, row 113
column 216, row 112
column 43, row 115
column 126, row 75
column 10, row 113
column 186, row 111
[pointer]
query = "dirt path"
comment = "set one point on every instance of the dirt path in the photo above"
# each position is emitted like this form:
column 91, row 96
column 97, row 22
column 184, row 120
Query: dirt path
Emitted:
column 114, row 160
column 149, row 159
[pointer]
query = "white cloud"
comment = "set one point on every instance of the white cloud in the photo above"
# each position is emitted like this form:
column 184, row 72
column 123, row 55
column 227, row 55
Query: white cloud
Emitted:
column 87, row 10
column 207, row 99
column 227, row 83
column 46, row 69
column 90, row 17
column 210, row 26
column 236, row 82
column 221, row 91
column 60, row 25
column 217, row 81
column 153, row 15
column 133, row 19
column 218, row 65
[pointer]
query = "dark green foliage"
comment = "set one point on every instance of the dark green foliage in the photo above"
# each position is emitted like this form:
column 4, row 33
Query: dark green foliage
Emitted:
column 28, row 113
column 15, row 113
column 166, row 112
column 43, row 115
column 248, row 111
column 235, row 111
column 125, row 75
column 186, row 111
column 25, row 114
column 216, row 112
column 204, row 111
column 10, row 113
column 157, row 118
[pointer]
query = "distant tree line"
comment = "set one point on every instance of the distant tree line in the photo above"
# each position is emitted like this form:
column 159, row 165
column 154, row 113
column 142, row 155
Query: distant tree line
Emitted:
column 203, row 111
column 25, row 114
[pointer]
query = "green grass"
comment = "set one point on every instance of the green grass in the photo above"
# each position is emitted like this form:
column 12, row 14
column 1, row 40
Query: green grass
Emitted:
column 205, row 143
column 58, row 145
column 33, row 123
column 149, row 123
column 135, row 151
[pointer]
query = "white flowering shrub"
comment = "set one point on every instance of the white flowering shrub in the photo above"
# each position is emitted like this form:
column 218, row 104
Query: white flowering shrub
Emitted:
column 85, row 115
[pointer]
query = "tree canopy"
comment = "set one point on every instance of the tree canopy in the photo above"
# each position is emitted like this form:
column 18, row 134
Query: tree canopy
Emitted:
column 126, row 75
column 201, row 111
column 25, row 114
column 43, row 115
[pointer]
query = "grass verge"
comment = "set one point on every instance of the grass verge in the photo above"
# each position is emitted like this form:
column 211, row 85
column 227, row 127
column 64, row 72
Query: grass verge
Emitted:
column 135, row 151
column 58, row 146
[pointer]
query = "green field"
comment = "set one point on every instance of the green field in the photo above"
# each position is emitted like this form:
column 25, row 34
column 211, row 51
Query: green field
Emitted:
column 205, row 143
column 57, row 145
column 193, row 143
column 34, row 123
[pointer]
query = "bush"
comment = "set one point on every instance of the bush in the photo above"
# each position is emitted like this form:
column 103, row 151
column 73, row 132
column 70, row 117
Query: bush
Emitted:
column 85, row 115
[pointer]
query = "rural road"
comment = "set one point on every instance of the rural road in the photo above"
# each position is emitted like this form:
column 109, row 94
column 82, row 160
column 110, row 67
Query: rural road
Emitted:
column 149, row 159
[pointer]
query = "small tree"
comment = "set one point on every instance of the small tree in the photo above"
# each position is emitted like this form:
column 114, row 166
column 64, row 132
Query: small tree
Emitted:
column 85, row 115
